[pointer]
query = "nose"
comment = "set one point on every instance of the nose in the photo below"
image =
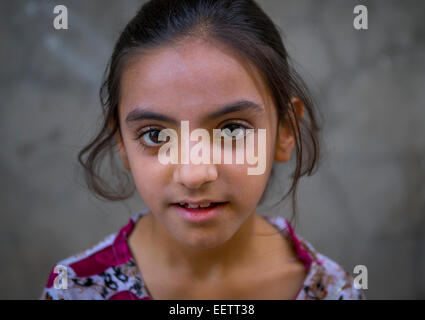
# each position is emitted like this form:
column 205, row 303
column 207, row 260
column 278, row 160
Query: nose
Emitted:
column 193, row 176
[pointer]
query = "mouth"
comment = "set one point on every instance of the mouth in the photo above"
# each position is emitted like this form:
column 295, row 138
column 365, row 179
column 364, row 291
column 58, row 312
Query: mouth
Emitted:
column 199, row 212
column 205, row 205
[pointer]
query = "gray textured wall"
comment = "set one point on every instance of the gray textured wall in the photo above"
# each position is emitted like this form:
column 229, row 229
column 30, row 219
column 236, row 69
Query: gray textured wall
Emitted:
column 365, row 205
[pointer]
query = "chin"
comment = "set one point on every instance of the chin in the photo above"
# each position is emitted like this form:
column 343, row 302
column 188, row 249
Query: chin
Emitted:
column 203, row 242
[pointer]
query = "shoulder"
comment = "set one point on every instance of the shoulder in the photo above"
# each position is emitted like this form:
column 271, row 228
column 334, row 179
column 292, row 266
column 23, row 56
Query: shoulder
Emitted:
column 326, row 279
column 102, row 272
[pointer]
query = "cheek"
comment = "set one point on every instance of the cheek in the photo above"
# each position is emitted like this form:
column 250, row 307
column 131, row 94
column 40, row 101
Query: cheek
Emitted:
column 247, row 189
column 150, row 177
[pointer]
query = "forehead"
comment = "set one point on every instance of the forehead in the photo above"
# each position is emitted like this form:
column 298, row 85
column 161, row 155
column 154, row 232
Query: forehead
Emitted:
column 194, row 75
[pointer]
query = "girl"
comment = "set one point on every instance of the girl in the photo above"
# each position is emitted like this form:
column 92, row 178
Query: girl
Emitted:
column 219, row 64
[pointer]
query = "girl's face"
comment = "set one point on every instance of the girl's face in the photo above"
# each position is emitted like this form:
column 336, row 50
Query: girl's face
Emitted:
column 190, row 82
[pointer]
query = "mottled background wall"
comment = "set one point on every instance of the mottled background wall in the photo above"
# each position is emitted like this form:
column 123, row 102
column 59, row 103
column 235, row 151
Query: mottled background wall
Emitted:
column 365, row 205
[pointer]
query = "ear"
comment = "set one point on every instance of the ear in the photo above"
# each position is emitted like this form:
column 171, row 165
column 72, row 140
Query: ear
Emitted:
column 285, row 140
column 120, row 146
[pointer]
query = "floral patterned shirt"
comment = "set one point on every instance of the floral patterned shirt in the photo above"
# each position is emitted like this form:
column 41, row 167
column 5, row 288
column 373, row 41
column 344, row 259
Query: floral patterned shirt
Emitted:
column 107, row 271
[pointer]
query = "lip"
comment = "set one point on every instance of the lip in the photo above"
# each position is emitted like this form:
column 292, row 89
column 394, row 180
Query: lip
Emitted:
column 200, row 214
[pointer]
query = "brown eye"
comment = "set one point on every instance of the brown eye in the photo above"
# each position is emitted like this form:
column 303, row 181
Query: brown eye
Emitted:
column 151, row 138
column 234, row 130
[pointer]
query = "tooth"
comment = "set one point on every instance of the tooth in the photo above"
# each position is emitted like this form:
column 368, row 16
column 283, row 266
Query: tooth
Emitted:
column 192, row 206
column 181, row 203
column 205, row 205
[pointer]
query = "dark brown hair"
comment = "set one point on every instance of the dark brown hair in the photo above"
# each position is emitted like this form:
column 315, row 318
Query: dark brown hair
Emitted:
column 241, row 25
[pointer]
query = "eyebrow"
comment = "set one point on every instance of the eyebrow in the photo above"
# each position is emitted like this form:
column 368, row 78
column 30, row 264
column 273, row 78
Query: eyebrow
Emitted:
column 140, row 113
